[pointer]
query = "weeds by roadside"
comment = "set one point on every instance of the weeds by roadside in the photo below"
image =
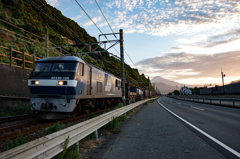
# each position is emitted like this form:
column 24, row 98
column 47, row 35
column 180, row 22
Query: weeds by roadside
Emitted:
column 71, row 152
column 21, row 139
column 56, row 127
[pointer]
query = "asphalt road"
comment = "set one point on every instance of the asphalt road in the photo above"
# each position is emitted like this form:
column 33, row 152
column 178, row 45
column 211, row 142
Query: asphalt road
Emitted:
column 222, row 123
column 155, row 133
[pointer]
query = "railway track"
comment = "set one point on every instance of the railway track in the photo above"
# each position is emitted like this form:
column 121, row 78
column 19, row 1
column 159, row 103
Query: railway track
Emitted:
column 17, row 117
column 8, row 133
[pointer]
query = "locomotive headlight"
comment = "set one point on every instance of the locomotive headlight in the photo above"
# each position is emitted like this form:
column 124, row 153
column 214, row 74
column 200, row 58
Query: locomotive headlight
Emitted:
column 35, row 82
column 62, row 83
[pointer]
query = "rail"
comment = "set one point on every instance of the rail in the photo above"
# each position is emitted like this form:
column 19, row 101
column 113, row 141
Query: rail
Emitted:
column 233, row 100
column 51, row 145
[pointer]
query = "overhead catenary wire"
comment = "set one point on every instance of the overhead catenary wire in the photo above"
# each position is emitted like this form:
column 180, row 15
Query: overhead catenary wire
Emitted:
column 72, row 32
column 95, row 25
column 50, row 18
column 13, row 33
column 77, row 38
column 28, row 32
column 113, row 31
column 99, row 28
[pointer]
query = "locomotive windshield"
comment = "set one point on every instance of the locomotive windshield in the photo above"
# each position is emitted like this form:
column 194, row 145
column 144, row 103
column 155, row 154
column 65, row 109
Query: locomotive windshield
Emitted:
column 64, row 67
column 55, row 67
column 42, row 67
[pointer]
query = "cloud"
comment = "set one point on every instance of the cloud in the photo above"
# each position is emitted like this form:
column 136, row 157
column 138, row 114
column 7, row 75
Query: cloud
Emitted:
column 53, row 3
column 183, row 17
column 95, row 19
column 181, row 66
column 76, row 18
column 218, row 43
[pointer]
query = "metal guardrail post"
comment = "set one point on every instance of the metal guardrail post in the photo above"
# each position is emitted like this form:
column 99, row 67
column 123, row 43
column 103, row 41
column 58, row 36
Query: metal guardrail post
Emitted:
column 77, row 145
column 233, row 103
column 23, row 60
column 96, row 135
column 220, row 102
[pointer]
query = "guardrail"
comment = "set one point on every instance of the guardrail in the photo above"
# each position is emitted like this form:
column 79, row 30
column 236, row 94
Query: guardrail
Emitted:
column 233, row 100
column 51, row 145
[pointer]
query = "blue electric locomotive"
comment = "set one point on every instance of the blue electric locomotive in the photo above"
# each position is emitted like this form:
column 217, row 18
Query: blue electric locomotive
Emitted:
column 64, row 86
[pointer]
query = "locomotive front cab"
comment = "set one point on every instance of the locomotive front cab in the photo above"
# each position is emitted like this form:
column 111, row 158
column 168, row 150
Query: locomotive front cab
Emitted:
column 53, row 86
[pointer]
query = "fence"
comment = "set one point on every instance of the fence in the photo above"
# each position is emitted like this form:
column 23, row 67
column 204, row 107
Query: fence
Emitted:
column 51, row 145
column 23, row 59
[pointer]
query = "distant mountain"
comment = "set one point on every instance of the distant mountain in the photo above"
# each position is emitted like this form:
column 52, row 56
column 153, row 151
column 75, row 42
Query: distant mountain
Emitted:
column 236, row 81
column 158, row 79
column 164, row 89
column 165, row 86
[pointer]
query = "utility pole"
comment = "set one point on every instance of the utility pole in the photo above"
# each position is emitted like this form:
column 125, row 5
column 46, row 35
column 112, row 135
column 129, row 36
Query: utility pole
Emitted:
column 46, row 41
column 223, row 75
column 148, row 87
column 122, row 66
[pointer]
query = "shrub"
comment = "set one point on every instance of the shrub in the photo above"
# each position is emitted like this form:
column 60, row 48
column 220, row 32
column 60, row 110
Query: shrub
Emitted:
column 21, row 139
column 56, row 127
column 71, row 152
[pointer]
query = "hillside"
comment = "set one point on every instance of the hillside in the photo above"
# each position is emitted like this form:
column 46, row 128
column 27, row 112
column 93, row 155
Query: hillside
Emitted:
column 34, row 16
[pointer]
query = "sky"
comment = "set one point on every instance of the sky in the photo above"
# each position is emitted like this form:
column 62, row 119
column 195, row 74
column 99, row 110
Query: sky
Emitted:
column 187, row 41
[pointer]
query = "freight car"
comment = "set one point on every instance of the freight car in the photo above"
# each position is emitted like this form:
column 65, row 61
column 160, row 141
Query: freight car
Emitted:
column 136, row 93
column 64, row 86
column 228, row 89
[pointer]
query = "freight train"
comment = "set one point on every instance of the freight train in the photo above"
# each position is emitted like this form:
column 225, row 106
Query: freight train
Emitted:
column 228, row 89
column 64, row 86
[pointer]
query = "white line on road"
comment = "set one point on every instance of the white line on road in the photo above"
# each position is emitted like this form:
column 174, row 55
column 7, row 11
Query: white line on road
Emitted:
column 178, row 103
column 204, row 133
column 197, row 108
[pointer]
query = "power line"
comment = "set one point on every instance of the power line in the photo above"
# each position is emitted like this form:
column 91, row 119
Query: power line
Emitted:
column 95, row 24
column 113, row 31
column 105, row 19
column 50, row 18
column 78, row 38
column 26, row 31
column 26, row 41
column 99, row 28
column 21, row 28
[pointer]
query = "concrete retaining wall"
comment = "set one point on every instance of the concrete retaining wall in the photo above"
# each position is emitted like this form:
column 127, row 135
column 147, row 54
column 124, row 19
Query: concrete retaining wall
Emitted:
column 13, row 81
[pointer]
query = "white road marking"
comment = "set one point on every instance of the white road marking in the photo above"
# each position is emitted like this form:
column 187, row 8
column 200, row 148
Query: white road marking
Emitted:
column 204, row 133
column 178, row 103
column 197, row 108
